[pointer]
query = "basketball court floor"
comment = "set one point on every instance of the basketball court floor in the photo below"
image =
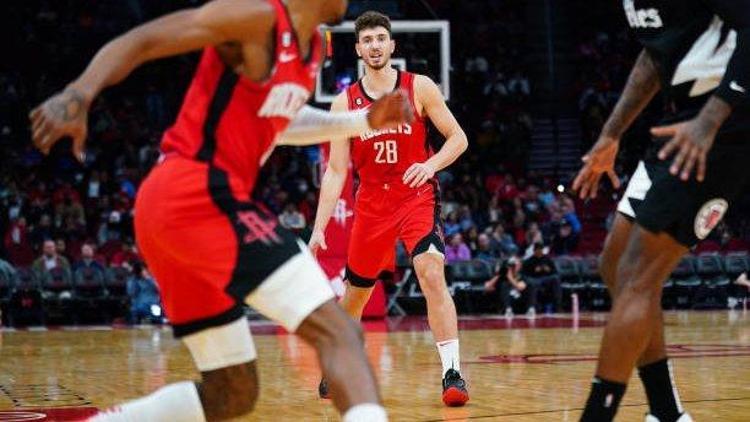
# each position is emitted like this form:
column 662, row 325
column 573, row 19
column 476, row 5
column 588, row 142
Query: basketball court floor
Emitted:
column 517, row 370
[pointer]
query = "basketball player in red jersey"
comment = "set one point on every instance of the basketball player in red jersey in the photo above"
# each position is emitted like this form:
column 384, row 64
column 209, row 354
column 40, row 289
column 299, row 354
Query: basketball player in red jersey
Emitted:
column 208, row 245
column 398, row 194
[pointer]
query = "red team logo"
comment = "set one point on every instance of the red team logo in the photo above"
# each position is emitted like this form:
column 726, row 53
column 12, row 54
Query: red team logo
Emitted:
column 258, row 229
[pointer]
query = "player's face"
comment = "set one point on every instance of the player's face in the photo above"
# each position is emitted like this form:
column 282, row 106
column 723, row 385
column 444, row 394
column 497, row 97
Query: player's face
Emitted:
column 375, row 47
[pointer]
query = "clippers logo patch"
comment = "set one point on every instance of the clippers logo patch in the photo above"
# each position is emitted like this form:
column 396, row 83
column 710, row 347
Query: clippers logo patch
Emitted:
column 709, row 216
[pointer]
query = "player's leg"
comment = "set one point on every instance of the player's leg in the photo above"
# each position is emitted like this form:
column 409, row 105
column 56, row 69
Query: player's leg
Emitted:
column 228, row 387
column 357, row 294
column 371, row 251
column 441, row 315
column 298, row 296
column 441, row 311
column 654, row 368
column 214, row 328
column 340, row 345
column 614, row 247
column 647, row 260
column 420, row 231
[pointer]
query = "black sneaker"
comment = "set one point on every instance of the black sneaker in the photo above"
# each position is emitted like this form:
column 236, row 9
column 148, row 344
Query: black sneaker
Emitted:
column 454, row 389
column 323, row 389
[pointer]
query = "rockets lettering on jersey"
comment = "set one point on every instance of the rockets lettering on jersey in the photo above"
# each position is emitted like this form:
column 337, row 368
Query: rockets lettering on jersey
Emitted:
column 404, row 129
column 382, row 156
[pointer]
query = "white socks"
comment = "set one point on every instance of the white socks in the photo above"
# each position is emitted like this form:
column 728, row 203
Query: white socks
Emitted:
column 178, row 402
column 366, row 412
column 449, row 355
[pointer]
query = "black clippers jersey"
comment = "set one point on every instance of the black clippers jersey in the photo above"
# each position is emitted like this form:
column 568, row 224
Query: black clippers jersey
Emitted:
column 701, row 48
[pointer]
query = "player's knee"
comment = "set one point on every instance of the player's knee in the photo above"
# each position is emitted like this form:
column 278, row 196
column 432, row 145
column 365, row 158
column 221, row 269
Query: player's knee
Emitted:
column 330, row 328
column 345, row 333
column 431, row 277
column 353, row 334
column 635, row 281
column 229, row 392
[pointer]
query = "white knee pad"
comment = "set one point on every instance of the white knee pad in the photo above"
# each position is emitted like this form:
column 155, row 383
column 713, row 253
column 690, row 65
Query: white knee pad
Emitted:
column 293, row 291
column 222, row 346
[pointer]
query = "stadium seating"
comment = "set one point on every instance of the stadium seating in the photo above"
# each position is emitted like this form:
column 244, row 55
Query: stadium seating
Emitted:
column 90, row 294
column 116, row 283
column 571, row 279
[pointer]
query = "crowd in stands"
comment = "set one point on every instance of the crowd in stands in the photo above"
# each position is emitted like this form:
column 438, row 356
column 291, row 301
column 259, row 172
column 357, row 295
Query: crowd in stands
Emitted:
column 65, row 221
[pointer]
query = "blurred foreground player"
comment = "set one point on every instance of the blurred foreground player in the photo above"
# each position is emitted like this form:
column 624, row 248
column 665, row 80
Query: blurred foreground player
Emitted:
column 698, row 53
column 398, row 195
column 208, row 245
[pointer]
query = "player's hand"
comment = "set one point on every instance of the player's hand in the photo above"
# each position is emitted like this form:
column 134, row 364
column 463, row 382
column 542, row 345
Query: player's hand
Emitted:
column 390, row 110
column 419, row 173
column 691, row 142
column 317, row 242
column 599, row 160
column 521, row 286
column 489, row 286
column 63, row 115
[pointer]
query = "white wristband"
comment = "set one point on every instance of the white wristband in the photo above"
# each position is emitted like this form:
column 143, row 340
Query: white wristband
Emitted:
column 313, row 125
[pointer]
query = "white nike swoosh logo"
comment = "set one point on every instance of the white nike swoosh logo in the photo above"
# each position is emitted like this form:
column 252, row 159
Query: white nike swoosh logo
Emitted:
column 286, row 57
column 735, row 86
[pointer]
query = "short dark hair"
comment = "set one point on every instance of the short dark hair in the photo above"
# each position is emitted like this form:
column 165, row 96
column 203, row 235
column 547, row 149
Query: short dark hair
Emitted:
column 371, row 19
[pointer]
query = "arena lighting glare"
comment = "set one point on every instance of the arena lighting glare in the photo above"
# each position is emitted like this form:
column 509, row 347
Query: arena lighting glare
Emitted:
column 560, row 188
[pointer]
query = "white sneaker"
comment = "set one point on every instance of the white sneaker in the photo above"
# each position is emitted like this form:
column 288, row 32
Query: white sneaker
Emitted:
column 508, row 313
column 531, row 313
column 683, row 418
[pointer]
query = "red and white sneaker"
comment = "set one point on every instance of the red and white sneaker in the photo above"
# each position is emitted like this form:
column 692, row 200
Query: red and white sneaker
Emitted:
column 454, row 389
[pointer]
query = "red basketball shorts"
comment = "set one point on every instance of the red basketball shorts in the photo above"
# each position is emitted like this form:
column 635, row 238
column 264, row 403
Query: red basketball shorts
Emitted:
column 210, row 252
column 382, row 216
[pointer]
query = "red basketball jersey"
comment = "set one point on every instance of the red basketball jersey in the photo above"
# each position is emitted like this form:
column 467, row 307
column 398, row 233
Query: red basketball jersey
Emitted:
column 232, row 122
column 381, row 157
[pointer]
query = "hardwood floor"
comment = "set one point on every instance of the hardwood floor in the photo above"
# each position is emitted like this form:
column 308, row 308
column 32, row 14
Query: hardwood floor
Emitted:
column 519, row 370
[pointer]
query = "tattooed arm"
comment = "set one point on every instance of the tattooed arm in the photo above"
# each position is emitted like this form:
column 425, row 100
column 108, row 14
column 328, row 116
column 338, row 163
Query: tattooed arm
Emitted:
column 643, row 83
column 691, row 141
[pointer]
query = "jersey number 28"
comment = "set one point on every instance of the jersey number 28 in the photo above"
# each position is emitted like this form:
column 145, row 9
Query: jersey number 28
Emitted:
column 387, row 152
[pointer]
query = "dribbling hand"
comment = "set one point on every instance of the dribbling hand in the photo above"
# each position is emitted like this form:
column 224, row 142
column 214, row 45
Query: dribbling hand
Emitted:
column 317, row 242
column 390, row 110
column 599, row 160
column 63, row 115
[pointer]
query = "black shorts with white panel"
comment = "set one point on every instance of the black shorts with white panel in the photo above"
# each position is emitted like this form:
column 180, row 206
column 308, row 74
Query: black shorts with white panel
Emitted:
column 687, row 210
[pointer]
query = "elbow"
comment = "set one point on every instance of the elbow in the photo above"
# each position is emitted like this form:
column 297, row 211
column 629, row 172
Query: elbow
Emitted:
column 335, row 174
column 462, row 142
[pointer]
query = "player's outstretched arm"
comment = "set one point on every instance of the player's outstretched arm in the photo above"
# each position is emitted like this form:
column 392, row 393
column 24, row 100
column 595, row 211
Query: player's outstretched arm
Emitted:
column 641, row 87
column 332, row 183
column 690, row 141
column 314, row 126
column 219, row 21
column 428, row 94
